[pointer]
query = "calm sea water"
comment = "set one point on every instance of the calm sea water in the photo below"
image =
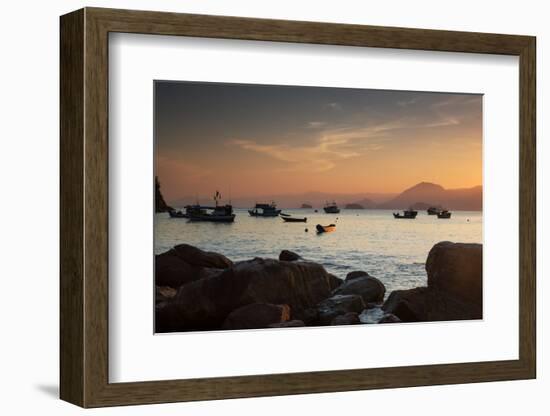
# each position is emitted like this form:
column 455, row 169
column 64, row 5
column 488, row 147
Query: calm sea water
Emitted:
column 392, row 250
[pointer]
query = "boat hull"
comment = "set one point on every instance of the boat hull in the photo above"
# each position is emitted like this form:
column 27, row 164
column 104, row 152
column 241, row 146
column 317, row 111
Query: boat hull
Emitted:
column 264, row 214
column 290, row 219
column 213, row 218
column 331, row 210
column 325, row 228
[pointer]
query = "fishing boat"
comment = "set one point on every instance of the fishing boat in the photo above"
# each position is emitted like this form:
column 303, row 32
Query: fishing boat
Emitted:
column 177, row 214
column 331, row 208
column 433, row 210
column 444, row 214
column 325, row 228
column 265, row 210
column 289, row 218
column 409, row 214
column 216, row 213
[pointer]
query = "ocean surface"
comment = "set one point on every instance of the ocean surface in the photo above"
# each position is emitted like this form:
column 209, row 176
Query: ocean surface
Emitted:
column 393, row 250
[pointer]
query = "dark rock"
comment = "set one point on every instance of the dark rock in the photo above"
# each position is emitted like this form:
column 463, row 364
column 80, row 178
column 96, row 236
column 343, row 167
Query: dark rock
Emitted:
column 389, row 318
column 457, row 269
column 356, row 274
column 184, row 264
column 288, row 324
column 372, row 305
column 369, row 288
column 338, row 305
column 164, row 293
column 160, row 204
column 287, row 255
column 257, row 315
column 309, row 316
column 425, row 304
column 350, row 318
column 335, row 281
column 454, row 289
column 197, row 257
column 205, row 303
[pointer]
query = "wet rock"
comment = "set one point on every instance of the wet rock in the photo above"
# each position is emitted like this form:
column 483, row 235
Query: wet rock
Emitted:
column 257, row 315
column 338, row 305
column 184, row 264
column 454, row 290
column 369, row 288
column 356, row 274
column 205, row 303
column 197, row 257
column 457, row 269
column 423, row 304
column 287, row 255
column 350, row 318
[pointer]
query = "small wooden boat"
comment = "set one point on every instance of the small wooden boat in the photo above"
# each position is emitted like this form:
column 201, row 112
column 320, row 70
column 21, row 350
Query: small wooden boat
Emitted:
column 444, row 214
column 325, row 228
column 409, row 214
column 289, row 218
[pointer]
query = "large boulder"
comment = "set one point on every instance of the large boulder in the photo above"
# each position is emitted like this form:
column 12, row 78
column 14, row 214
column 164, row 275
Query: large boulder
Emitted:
column 184, row 264
column 197, row 257
column 369, row 288
column 205, row 303
column 425, row 304
column 338, row 305
column 457, row 269
column 257, row 315
column 454, row 290
column 287, row 255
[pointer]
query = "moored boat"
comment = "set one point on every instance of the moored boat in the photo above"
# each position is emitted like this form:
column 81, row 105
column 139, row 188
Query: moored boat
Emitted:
column 331, row 208
column 217, row 213
column 444, row 214
column 265, row 210
column 325, row 228
column 409, row 214
column 289, row 218
column 433, row 210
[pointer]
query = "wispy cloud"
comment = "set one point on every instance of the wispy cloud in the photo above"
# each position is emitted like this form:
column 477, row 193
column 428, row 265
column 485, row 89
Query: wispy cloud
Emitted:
column 316, row 124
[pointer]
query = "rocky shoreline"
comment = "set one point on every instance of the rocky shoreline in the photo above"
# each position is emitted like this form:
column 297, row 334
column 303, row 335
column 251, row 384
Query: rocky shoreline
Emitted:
column 198, row 290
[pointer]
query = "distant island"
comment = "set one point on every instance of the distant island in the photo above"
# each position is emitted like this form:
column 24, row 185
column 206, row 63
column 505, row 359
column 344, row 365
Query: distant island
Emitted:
column 308, row 206
column 354, row 206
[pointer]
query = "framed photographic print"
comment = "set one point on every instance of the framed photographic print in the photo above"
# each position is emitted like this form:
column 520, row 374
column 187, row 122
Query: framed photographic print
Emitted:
column 256, row 207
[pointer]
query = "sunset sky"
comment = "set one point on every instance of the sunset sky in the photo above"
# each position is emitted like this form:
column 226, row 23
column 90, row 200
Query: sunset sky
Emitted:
column 258, row 140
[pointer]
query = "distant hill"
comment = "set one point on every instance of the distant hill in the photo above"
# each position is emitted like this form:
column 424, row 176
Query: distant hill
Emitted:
column 354, row 205
column 425, row 194
column 366, row 203
column 428, row 194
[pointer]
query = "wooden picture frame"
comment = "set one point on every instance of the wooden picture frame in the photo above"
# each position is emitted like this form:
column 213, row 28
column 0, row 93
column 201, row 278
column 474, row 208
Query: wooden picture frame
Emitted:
column 84, row 207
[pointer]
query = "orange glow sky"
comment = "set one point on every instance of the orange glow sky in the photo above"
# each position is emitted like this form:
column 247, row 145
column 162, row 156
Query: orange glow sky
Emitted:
column 267, row 140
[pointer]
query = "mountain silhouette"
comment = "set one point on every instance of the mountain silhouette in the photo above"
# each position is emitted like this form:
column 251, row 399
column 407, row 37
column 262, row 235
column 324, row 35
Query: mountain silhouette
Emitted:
column 467, row 199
